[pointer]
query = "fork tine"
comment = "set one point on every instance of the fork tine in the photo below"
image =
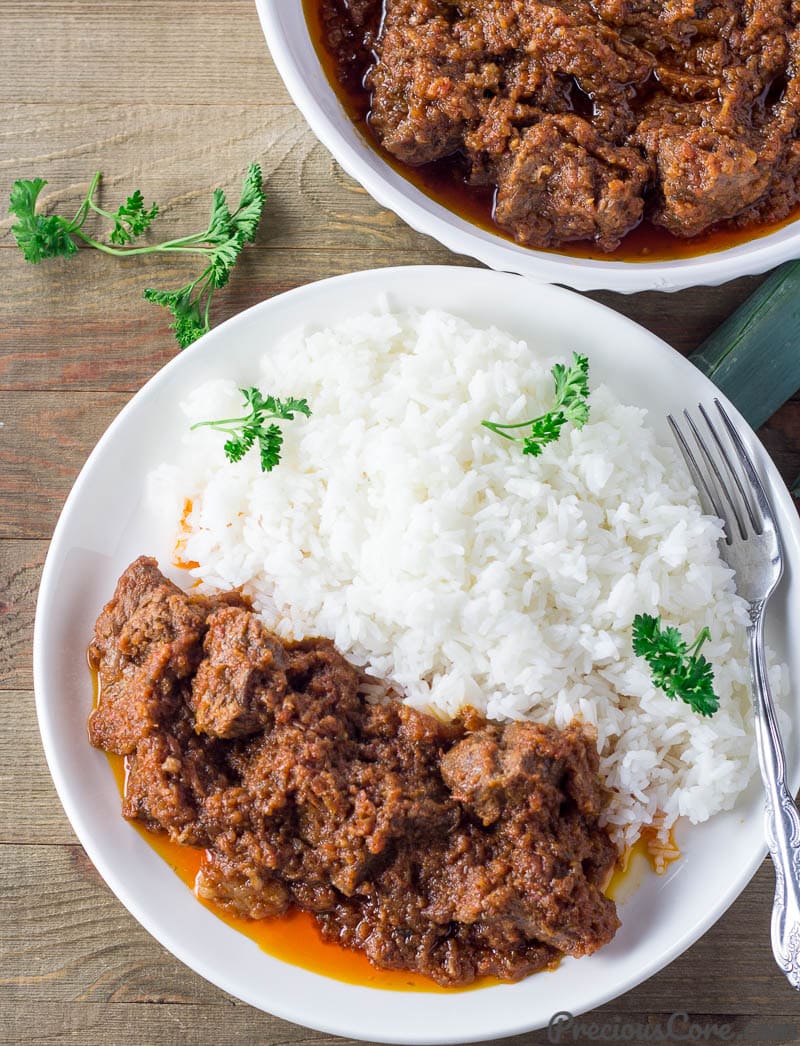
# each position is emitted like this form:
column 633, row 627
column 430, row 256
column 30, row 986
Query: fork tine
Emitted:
column 707, row 496
column 759, row 494
column 721, row 486
column 734, row 475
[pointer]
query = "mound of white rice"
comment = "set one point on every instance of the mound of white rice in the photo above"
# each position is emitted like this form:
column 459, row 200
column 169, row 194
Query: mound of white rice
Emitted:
column 439, row 557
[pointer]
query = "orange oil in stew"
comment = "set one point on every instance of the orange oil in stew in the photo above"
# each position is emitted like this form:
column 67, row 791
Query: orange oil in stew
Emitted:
column 184, row 533
column 443, row 180
column 295, row 938
column 647, row 856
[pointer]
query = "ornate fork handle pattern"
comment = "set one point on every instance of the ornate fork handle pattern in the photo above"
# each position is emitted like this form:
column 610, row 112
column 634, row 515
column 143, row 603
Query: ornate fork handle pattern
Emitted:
column 781, row 813
column 731, row 489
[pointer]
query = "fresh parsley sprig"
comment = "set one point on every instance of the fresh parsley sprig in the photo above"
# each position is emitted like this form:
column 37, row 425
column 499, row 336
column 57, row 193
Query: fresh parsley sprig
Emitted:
column 571, row 404
column 252, row 428
column 677, row 668
column 42, row 236
column 130, row 219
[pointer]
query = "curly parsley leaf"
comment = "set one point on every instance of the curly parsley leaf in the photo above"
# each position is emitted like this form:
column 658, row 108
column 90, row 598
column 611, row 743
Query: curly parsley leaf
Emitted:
column 220, row 244
column 236, row 447
column 269, row 447
column 572, row 390
column 190, row 321
column 247, row 215
column 287, row 410
column 132, row 218
column 676, row 668
column 251, row 428
column 571, row 393
column 223, row 259
column 544, row 430
column 38, row 236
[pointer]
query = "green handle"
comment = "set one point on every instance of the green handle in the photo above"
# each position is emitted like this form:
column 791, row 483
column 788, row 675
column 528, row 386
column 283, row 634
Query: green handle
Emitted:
column 754, row 356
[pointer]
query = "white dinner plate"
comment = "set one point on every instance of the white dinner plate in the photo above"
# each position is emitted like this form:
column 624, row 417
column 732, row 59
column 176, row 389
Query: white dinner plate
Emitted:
column 105, row 524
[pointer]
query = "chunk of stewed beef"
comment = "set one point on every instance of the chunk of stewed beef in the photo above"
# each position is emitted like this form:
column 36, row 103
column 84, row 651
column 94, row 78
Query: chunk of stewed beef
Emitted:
column 704, row 177
column 242, row 677
column 147, row 641
column 562, row 182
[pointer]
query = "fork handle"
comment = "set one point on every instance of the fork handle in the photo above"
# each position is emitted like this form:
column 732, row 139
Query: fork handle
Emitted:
column 781, row 814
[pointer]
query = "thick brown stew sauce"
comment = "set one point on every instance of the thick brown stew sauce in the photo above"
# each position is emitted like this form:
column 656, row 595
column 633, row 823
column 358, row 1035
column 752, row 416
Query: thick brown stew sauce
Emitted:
column 257, row 768
column 345, row 60
column 295, row 937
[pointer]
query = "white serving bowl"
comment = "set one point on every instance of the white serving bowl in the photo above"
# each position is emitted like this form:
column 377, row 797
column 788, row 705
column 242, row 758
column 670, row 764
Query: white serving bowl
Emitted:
column 106, row 523
column 284, row 25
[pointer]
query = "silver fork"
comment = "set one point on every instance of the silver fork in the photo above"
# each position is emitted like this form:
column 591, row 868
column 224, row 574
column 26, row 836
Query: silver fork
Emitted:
column 730, row 488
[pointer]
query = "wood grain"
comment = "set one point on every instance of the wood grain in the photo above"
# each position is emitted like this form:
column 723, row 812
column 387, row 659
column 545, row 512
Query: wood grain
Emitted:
column 21, row 564
column 137, row 51
column 234, row 1024
column 40, row 455
column 55, row 332
column 88, row 352
column 29, row 808
column 177, row 98
column 77, row 947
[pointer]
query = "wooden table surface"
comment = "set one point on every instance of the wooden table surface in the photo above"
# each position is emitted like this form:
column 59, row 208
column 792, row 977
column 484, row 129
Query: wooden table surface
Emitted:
column 177, row 98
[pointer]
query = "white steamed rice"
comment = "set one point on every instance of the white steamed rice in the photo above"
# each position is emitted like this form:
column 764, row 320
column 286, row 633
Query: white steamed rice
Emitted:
column 439, row 557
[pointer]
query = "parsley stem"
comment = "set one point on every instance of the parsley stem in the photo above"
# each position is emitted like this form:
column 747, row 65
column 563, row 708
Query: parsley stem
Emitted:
column 101, row 212
column 219, row 422
column 172, row 246
column 704, row 634
column 497, row 426
column 80, row 214
column 498, row 432
column 207, row 310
